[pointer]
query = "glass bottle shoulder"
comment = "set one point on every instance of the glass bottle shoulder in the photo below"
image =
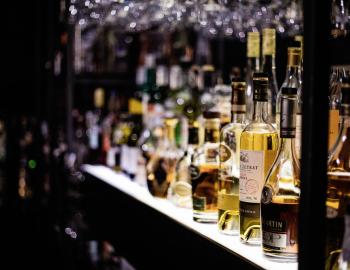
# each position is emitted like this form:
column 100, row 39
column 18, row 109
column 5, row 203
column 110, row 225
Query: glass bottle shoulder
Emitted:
column 259, row 127
column 339, row 160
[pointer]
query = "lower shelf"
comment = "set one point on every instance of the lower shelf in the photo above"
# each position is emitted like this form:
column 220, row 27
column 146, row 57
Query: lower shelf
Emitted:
column 249, row 257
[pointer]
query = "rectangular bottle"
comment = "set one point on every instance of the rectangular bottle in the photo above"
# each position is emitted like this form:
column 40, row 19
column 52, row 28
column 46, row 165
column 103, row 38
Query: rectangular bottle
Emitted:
column 228, row 197
column 204, row 171
column 259, row 142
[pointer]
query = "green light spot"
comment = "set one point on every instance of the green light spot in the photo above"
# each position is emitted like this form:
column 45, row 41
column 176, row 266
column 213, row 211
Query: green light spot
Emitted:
column 32, row 164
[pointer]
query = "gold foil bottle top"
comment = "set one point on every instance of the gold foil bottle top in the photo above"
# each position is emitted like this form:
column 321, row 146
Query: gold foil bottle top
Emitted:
column 99, row 98
column 294, row 57
column 269, row 41
column 253, row 45
column 208, row 68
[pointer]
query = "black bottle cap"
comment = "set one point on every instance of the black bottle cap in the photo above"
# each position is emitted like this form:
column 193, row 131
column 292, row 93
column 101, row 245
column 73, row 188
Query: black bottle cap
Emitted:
column 260, row 84
column 289, row 91
column 211, row 114
column 193, row 135
column 294, row 44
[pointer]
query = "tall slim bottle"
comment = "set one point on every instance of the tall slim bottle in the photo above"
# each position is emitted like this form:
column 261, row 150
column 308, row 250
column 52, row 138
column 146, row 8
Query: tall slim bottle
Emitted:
column 259, row 143
column 269, row 67
column 180, row 191
column 338, row 191
column 281, row 193
column 293, row 80
column 204, row 171
column 253, row 65
column 228, row 197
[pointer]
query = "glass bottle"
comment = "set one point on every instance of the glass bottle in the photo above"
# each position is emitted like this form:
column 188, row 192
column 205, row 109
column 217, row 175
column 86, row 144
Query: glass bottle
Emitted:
column 228, row 197
column 180, row 191
column 253, row 65
column 161, row 168
column 338, row 191
column 269, row 67
column 281, row 193
column 259, row 143
column 293, row 80
column 204, row 171
column 339, row 19
column 340, row 258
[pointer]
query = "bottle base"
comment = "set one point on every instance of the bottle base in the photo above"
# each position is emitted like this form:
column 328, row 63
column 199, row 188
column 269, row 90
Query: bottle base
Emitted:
column 205, row 218
column 281, row 256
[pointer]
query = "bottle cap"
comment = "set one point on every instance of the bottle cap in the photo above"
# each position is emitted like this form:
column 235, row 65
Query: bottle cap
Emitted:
column 260, row 83
column 238, row 101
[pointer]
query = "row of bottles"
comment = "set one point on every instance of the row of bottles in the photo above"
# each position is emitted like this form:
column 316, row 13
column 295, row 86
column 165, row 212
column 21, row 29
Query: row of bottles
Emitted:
column 242, row 174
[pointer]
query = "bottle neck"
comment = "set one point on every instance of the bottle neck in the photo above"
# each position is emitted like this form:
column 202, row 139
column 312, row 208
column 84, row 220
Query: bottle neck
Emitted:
column 212, row 131
column 260, row 111
column 269, row 64
column 253, row 65
column 238, row 117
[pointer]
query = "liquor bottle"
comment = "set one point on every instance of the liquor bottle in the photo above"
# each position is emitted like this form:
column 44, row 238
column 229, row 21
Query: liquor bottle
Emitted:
column 340, row 259
column 269, row 67
column 259, row 142
column 293, row 80
column 180, row 191
column 207, row 100
column 133, row 150
column 161, row 168
column 337, row 75
column 338, row 171
column 93, row 122
column 221, row 97
column 281, row 192
column 339, row 19
column 204, row 171
column 229, row 151
column 253, row 65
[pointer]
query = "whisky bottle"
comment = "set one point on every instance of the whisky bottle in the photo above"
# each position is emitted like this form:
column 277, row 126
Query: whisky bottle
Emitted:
column 337, row 75
column 180, row 191
column 340, row 259
column 253, row 65
column 228, row 197
column 204, row 171
column 259, row 142
column 338, row 171
column 269, row 67
column 281, row 192
column 161, row 168
column 293, row 80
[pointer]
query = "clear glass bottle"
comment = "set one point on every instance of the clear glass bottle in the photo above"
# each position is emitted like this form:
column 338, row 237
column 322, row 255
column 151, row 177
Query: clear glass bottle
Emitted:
column 338, row 191
column 161, row 168
column 293, row 80
column 281, row 192
column 340, row 258
column 269, row 67
column 204, row 171
column 253, row 65
column 228, row 197
column 259, row 143
column 180, row 191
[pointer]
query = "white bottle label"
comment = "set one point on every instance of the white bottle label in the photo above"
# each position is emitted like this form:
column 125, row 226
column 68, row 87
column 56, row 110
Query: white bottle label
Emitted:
column 110, row 160
column 251, row 178
column 274, row 240
column 132, row 159
column 93, row 138
column 124, row 153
